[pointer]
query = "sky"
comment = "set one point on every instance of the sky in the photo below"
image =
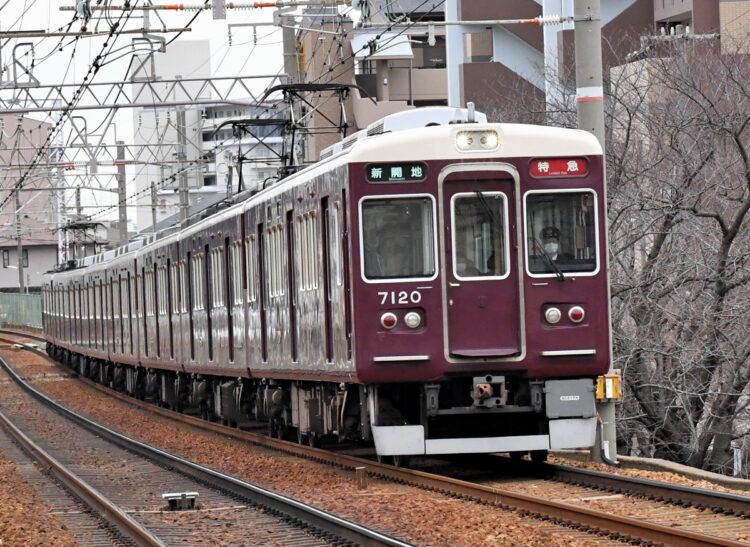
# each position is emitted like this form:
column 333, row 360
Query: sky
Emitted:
column 70, row 64
column 248, row 54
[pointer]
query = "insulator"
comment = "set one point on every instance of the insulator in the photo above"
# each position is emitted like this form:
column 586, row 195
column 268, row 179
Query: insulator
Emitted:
column 553, row 19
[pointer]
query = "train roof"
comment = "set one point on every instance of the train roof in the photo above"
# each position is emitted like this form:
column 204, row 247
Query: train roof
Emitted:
column 397, row 142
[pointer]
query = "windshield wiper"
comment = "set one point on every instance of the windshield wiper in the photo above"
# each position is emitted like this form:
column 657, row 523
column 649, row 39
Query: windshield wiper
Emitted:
column 548, row 260
column 494, row 221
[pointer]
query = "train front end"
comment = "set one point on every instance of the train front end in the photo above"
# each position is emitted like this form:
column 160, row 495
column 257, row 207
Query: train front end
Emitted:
column 481, row 315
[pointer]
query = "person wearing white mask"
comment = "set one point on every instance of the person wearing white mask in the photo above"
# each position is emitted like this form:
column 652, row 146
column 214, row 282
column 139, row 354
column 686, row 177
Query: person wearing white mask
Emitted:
column 551, row 241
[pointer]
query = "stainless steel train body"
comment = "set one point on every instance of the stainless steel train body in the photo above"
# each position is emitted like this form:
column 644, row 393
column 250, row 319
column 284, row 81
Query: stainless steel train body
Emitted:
column 396, row 291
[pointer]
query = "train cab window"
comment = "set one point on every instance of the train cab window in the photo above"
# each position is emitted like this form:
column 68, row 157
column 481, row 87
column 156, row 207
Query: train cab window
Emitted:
column 480, row 235
column 561, row 234
column 398, row 238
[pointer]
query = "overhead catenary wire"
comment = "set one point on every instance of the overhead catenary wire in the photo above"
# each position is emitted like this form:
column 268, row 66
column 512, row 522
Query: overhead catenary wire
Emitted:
column 195, row 163
column 67, row 110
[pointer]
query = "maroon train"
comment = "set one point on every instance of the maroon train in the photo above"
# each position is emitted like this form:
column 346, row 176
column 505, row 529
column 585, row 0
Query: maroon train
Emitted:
column 435, row 284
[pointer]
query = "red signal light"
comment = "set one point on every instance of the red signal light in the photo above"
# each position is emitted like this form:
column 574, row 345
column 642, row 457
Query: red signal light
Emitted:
column 576, row 314
column 388, row 320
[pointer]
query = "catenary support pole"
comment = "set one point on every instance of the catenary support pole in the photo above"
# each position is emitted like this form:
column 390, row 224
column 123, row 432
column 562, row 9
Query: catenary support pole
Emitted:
column 590, row 107
column 183, row 177
column 19, row 243
column 122, row 194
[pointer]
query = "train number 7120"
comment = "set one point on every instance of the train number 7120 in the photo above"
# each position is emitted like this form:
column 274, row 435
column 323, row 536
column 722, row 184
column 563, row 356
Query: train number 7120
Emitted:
column 400, row 297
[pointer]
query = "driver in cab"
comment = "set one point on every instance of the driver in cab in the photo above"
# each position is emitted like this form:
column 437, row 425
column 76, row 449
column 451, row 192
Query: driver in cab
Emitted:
column 550, row 237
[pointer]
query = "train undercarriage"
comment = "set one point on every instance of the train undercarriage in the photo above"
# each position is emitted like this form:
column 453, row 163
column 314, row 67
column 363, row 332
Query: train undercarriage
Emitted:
column 470, row 414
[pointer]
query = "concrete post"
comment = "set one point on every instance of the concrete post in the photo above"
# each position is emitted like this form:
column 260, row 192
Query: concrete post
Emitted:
column 382, row 75
column 183, row 177
column 589, row 91
column 19, row 243
column 153, row 207
column 454, row 53
column 590, row 106
column 122, row 194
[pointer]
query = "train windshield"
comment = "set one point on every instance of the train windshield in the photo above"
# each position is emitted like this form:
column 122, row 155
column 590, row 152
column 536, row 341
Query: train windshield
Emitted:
column 398, row 238
column 479, row 235
column 561, row 232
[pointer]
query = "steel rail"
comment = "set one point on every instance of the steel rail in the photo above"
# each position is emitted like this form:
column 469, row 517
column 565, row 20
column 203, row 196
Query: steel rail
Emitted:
column 699, row 497
column 322, row 521
column 601, row 521
column 96, row 501
column 626, row 526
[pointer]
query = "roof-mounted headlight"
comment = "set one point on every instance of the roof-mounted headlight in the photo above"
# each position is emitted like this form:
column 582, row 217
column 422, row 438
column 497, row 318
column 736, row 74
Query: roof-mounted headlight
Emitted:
column 477, row 141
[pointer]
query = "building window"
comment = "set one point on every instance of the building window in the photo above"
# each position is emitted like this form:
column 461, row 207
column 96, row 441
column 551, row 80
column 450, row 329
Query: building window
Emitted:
column 25, row 258
column 209, row 180
column 6, row 258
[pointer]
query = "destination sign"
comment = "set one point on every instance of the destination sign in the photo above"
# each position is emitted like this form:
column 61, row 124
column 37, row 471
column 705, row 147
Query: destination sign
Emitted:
column 396, row 172
column 559, row 167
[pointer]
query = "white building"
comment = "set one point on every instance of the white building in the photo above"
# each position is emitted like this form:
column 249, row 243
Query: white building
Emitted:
column 162, row 128
column 176, row 146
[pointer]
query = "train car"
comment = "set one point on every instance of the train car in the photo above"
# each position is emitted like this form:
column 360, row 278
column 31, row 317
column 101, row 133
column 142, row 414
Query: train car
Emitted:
column 435, row 284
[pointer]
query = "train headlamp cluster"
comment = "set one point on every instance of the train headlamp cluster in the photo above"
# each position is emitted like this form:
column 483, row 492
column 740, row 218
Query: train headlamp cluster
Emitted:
column 412, row 319
column 477, row 141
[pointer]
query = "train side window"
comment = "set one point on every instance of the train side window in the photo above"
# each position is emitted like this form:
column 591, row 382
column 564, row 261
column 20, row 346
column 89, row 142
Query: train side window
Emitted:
column 237, row 272
column 274, row 259
column 217, row 276
column 312, row 248
column 398, row 238
column 299, row 242
column 252, row 261
column 129, row 296
column 337, row 246
column 561, row 232
column 183, row 287
column 174, row 286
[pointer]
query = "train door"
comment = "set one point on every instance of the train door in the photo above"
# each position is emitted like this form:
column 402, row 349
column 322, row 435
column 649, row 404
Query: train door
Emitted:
column 481, row 262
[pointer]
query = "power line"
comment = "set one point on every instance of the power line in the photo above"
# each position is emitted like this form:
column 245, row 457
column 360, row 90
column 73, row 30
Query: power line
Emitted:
column 92, row 71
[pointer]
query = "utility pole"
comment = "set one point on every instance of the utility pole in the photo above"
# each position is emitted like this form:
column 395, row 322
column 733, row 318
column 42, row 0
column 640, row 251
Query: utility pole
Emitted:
column 590, row 107
column 19, row 243
column 122, row 194
column 153, row 206
column 183, row 178
column 62, row 235
column 78, row 250
column 588, row 44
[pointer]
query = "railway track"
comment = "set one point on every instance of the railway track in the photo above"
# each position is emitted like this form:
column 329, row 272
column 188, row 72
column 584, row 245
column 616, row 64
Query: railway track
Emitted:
column 109, row 472
column 637, row 529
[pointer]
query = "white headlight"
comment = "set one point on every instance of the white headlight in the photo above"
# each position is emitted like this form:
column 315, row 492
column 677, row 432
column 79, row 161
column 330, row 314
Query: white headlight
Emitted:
column 464, row 141
column 413, row 320
column 489, row 140
column 553, row 316
column 477, row 141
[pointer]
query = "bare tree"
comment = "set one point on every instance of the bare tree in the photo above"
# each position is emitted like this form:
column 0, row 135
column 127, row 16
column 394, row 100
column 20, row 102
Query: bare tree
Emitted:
column 678, row 172
column 679, row 179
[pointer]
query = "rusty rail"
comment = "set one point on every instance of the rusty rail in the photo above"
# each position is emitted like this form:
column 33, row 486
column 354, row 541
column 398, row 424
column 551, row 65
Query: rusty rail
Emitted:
column 597, row 520
column 109, row 511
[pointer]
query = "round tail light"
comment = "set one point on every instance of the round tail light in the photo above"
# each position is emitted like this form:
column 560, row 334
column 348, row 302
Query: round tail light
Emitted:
column 413, row 320
column 552, row 316
column 388, row 320
column 576, row 314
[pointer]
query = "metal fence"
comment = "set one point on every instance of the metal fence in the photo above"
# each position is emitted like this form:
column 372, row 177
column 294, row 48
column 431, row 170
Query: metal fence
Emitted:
column 21, row 310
